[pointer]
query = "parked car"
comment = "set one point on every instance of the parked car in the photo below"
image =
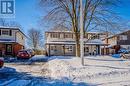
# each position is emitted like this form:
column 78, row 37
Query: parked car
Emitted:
column 24, row 54
column 31, row 52
column 1, row 63
column 123, row 50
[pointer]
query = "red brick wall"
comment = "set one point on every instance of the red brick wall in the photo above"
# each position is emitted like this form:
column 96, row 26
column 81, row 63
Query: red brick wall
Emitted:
column 16, row 48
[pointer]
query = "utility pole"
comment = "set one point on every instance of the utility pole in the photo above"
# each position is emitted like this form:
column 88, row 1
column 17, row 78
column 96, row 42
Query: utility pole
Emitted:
column 81, row 33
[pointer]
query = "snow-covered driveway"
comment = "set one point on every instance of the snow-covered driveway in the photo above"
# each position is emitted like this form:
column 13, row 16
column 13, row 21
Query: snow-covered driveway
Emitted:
column 67, row 71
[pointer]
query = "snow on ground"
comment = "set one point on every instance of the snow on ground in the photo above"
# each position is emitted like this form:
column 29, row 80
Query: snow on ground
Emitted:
column 67, row 71
column 101, row 70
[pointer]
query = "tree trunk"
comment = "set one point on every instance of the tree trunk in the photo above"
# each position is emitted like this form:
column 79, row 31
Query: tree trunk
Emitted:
column 77, row 49
column 77, row 46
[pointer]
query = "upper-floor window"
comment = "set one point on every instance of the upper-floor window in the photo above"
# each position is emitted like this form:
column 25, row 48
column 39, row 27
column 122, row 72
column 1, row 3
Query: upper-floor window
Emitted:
column 123, row 37
column 91, row 36
column 55, row 35
column 22, row 37
column 5, row 32
column 68, row 35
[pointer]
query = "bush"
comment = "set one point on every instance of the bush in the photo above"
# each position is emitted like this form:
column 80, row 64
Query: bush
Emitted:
column 40, row 52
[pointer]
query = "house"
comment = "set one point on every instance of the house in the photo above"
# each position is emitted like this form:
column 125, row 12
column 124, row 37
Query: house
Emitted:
column 12, row 40
column 121, row 40
column 63, row 43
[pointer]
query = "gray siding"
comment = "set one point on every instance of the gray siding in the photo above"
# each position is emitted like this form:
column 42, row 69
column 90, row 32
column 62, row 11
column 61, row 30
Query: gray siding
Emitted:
column 124, row 42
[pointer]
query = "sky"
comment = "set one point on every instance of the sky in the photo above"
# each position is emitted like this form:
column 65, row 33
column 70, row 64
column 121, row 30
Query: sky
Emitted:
column 28, row 14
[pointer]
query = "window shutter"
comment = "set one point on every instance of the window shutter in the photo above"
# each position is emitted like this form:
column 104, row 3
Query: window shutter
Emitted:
column 10, row 32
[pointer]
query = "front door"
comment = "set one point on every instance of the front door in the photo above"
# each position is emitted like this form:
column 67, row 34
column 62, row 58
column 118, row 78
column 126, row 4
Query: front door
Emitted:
column 8, row 49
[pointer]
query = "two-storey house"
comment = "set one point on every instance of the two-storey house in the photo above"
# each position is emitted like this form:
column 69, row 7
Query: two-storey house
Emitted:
column 63, row 43
column 121, row 40
column 11, row 40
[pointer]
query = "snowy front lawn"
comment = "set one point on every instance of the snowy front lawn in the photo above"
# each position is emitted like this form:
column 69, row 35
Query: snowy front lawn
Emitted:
column 68, row 71
column 98, row 70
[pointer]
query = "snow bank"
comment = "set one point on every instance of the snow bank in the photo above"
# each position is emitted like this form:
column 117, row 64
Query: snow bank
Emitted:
column 96, row 70
column 7, row 69
column 38, row 58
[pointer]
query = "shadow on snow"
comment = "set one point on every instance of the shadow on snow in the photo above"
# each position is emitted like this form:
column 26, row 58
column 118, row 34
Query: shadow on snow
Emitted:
column 10, row 77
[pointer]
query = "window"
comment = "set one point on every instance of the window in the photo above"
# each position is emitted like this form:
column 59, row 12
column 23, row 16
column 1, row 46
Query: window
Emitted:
column 5, row 32
column 9, row 48
column 86, row 49
column 53, row 48
column 22, row 37
column 68, row 35
column 123, row 37
column 55, row 35
column 128, row 48
column 69, row 48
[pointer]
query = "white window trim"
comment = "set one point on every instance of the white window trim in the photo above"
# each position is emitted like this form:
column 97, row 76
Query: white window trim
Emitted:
column 5, row 34
column 69, row 48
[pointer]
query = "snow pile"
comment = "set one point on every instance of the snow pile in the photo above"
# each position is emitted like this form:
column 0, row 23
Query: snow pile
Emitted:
column 96, row 70
column 38, row 58
column 68, row 71
column 59, row 68
column 7, row 69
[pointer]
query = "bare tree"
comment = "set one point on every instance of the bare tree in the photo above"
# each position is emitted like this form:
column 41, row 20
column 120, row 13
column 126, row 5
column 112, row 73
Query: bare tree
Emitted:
column 6, row 23
column 97, row 14
column 34, row 38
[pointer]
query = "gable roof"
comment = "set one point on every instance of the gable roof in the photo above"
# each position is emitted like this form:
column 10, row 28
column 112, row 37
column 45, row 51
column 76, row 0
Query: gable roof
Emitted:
column 118, row 34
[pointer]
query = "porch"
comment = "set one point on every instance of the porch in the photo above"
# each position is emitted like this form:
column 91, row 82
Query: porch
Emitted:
column 70, row 49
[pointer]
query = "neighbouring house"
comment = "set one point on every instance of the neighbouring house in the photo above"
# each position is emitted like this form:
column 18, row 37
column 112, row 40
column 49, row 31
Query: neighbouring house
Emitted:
column 63, row 43
column 12, row 40
column 121, row 40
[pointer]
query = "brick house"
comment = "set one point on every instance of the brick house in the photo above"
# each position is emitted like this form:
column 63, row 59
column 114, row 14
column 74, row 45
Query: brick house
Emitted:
column 121, row 40
column 63, row 43
column 11, row 40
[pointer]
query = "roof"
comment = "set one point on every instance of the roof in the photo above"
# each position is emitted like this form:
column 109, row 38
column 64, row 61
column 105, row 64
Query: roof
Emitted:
column 59, row 28
column 90, row 42
column 117, row 34
column 72, row 32
column 96, row 41
column 12, row 28
column 6, row 40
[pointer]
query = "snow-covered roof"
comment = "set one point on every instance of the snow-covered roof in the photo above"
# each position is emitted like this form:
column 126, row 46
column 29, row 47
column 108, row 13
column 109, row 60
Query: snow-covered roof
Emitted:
column 69, row 31
column 59, row 28
column 6, row 41
column 89, row 42
column 95, row 41
column 5, row 27
column 59, row 31
column 111, row 36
